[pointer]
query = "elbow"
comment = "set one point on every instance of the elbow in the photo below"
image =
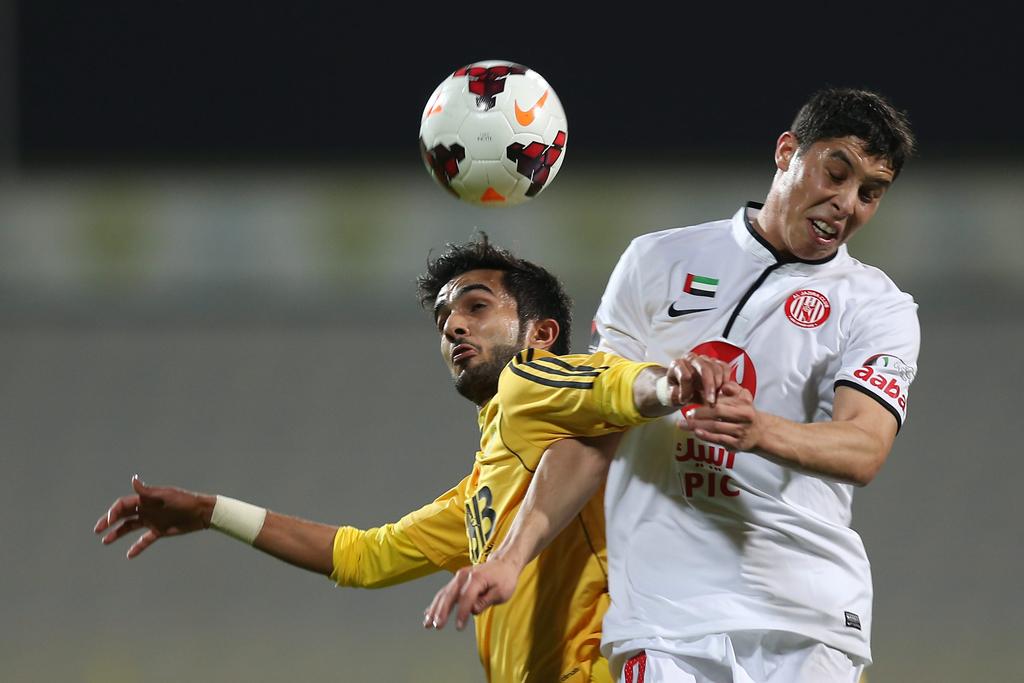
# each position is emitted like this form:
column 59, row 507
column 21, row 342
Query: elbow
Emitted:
column 862, row 477
column 867, row 457
column 867, row 470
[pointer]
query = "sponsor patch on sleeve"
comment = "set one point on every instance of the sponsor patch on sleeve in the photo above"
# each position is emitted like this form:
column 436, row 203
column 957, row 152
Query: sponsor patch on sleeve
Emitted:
column 887, row 377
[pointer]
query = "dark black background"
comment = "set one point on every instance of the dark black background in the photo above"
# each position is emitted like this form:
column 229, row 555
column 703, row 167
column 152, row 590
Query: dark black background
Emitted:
column 308, row 82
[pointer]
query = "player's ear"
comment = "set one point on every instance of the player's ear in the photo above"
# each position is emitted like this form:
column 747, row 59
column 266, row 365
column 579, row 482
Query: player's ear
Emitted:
column 542, row 334
column 785, row 149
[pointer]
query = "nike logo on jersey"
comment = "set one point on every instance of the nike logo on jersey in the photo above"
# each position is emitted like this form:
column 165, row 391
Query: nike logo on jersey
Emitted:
column 676, row 312
column 525, row 118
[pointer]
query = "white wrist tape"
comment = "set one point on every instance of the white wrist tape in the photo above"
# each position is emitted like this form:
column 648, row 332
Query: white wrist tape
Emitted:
column 238, row 519
column 663, row 392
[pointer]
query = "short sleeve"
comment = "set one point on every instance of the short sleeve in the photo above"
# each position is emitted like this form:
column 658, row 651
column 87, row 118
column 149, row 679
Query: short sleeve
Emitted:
column 621, row 325
column 880, row 359
column 549, row 397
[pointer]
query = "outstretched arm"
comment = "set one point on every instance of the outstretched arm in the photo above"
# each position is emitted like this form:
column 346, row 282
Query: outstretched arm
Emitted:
column 167, row 511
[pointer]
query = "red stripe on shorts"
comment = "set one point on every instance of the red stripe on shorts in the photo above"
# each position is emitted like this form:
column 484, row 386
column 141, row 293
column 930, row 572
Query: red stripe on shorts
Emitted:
column 636, row 668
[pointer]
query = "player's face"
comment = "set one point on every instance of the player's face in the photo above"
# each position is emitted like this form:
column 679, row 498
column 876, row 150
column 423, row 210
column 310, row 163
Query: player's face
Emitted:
column 823, row 195
column 480, row 331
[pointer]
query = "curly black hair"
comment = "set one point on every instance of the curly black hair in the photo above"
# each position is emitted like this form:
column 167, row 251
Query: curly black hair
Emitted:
column 538, row 293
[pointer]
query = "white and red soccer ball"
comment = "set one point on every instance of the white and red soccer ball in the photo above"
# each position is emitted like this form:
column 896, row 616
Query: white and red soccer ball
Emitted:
column 493, row 133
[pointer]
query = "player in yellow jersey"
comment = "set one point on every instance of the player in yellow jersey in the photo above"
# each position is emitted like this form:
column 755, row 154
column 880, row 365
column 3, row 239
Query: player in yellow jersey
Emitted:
column 499, row 319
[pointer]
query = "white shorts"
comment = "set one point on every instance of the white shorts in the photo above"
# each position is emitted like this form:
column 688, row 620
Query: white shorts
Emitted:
column 743, row 657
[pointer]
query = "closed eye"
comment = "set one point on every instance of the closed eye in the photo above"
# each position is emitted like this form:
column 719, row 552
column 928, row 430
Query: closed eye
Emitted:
column 870, row 195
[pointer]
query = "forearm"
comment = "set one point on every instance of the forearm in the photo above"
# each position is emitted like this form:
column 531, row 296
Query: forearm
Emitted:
column 368, row 559
column 569, row 474
column 645, row 393
column 659, row 391
column 838, row 450
column 299, row 542
column 850, row 448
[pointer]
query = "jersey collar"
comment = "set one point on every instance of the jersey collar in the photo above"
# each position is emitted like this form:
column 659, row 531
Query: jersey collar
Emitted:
column 752, row 241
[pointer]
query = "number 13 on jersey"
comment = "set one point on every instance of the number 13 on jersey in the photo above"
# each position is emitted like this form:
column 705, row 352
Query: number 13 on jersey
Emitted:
column 480, row 518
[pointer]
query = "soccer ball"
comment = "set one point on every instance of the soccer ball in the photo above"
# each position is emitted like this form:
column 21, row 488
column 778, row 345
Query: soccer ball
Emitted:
column 493, row 133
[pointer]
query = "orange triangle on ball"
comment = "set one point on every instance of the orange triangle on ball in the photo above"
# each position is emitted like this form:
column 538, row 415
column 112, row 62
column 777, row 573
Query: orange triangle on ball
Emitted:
column 491, row 195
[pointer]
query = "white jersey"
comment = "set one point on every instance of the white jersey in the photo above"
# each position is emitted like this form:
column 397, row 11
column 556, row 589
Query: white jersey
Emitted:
column 702, row 540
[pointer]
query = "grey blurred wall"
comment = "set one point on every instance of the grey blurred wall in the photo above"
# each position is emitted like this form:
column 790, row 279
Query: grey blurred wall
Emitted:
column 256, row 335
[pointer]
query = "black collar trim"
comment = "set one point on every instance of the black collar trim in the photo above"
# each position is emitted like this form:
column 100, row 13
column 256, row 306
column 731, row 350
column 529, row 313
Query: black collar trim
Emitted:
column 781, row 258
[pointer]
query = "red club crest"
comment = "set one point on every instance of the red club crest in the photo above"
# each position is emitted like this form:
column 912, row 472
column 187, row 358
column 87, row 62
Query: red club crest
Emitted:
column 807, row 308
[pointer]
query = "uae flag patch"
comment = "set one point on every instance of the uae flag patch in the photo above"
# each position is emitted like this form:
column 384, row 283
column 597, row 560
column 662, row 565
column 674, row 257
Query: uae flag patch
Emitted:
column 698, row 285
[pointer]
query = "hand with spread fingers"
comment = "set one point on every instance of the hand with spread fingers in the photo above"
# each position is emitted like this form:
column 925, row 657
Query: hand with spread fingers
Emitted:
column 162, row 511
column 471, row 591
column 732, row 421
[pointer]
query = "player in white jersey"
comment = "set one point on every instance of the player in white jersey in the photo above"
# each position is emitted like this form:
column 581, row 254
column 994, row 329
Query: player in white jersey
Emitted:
column 730, row 552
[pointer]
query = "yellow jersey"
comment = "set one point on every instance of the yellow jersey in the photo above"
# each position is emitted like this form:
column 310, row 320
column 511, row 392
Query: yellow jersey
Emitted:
column 551, row 629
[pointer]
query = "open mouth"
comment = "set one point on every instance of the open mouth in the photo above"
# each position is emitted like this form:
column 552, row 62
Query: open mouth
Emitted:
column 824, row 231
column 462, row 353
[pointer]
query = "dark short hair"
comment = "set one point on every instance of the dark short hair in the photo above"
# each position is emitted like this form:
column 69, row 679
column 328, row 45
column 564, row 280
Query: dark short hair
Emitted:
column 838, row 112
column 539, row 294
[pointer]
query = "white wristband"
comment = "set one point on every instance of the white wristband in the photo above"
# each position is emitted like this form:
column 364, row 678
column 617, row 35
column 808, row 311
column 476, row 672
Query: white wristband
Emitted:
column 238, row 519
column 662, row 391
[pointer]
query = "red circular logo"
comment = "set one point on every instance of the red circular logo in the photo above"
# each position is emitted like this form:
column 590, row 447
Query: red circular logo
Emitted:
column 807, row 308
column 741, row 367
